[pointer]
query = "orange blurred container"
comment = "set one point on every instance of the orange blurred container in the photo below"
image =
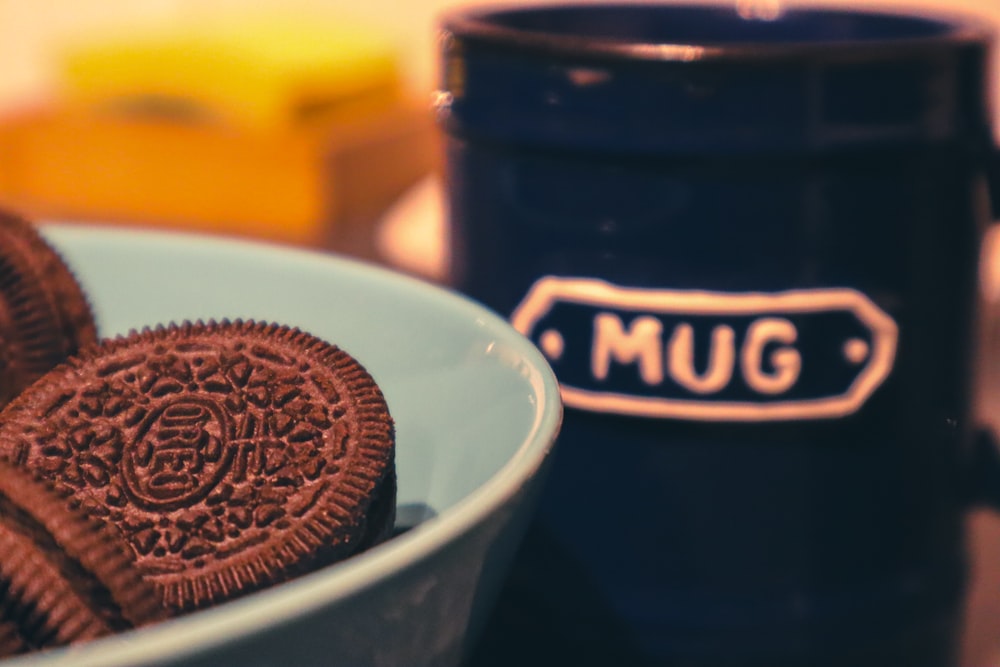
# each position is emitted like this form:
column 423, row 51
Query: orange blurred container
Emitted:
column 292, row 186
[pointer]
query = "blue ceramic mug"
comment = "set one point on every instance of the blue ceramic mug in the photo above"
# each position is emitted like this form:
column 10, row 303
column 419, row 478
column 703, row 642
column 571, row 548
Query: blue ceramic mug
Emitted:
column 747, row 243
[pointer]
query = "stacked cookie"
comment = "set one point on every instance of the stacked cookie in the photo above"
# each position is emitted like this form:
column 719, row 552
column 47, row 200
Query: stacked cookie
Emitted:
column 173, row 468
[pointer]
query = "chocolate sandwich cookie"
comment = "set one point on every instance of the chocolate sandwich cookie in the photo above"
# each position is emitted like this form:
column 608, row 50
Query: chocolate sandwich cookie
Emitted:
column 44, row 315
column 232, row 455
column 64, row 577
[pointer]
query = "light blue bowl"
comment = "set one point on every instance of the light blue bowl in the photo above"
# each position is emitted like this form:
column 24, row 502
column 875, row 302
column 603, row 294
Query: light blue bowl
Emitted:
column 476, row 410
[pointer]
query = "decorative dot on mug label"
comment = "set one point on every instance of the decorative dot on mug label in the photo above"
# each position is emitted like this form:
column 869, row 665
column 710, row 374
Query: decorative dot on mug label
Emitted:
column 552, row 344
column 856, row 350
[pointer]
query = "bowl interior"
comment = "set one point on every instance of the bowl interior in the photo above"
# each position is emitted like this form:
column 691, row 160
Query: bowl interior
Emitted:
column 476, row 407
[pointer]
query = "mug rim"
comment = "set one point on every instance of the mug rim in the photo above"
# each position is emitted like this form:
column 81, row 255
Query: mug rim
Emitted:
column 480, row 24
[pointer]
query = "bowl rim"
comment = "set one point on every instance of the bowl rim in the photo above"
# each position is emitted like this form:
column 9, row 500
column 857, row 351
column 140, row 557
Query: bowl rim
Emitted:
column 201, row 631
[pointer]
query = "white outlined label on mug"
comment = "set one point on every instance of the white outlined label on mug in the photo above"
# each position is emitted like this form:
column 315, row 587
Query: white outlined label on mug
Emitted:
column 709, row 356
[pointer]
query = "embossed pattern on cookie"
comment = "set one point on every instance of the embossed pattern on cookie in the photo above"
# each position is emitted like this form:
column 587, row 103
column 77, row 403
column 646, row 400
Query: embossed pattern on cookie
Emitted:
column 232, row 455
column 44, row 315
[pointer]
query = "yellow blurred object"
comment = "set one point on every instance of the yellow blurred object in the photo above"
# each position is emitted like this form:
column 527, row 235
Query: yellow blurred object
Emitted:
column 266, row 73
column 289, row 133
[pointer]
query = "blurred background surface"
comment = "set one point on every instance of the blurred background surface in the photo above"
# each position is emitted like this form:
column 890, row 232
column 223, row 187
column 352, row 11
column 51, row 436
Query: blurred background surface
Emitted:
column 85, row 133
column 30, row 29
column 315, row 151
